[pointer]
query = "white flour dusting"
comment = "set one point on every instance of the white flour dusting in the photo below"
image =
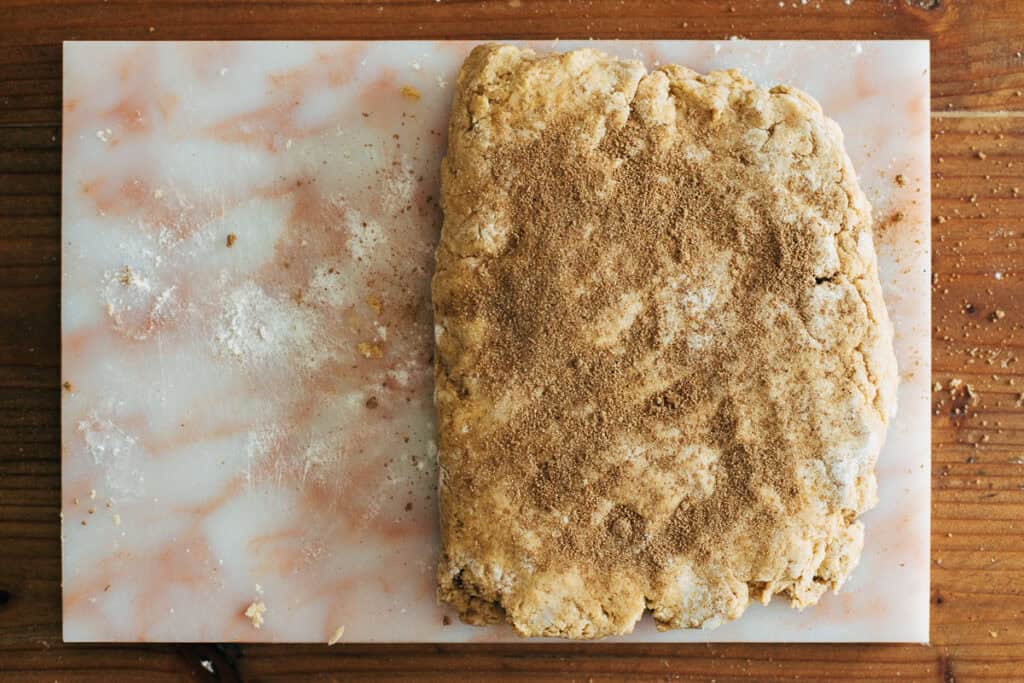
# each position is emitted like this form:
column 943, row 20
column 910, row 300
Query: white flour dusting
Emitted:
column 400, row 375
column 261, row 443
column 315, row 461
column 327, row 446
column 134, row 305
column 329, row 287
column 366, row 239
column 257, row 329
column 365, row 236
column 116, row 452
column 398, row 189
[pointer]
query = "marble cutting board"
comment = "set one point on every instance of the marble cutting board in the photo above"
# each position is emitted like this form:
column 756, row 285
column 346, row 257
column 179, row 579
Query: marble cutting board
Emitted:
column 247, row 246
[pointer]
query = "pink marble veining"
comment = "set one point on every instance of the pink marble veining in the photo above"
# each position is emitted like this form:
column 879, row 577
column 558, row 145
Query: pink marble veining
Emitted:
column 247, row 246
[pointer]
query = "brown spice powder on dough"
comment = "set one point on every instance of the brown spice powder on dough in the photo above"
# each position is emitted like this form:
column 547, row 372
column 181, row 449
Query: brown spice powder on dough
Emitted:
column 632, row 212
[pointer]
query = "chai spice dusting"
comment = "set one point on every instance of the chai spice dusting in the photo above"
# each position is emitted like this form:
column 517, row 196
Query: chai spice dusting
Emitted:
column 527, row 289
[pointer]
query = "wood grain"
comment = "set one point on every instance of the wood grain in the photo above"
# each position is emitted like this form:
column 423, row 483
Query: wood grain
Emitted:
column 978, row 486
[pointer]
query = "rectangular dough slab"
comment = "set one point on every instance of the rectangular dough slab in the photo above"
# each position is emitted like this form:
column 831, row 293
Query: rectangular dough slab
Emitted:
column 664, row 367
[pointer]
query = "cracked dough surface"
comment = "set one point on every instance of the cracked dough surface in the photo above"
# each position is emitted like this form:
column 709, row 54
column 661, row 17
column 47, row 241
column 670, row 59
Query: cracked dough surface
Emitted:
column 671, row 403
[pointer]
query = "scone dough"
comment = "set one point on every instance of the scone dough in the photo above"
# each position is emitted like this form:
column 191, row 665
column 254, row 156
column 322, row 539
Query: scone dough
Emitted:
column 664, row 369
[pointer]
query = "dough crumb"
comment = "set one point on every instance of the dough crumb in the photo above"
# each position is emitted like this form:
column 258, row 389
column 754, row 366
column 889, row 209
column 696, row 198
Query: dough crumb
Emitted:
column 370, row 350
column 255, row 611
column 338, row 633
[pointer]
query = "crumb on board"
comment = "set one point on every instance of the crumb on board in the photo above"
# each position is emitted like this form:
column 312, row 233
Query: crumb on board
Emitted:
column 67, row 386
column 410, row 93
column 446, row 620
column 372, row 402
column 231, row 239
column 338, row 633
column 370, row 350
column 901, row 179
column 962, row 396
column 255, row 611
column 129, row 278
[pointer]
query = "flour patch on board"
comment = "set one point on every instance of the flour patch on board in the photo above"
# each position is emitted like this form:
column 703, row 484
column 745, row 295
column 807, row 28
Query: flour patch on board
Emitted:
column 136, row 305
column 258, row 330
column 398, row 188
column 365, row 237
column 318, row 460
column 262, row 445
column 115, row 451
column 330, row 287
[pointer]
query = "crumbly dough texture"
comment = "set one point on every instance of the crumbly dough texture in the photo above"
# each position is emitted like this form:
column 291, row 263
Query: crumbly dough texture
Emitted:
column 664, row 369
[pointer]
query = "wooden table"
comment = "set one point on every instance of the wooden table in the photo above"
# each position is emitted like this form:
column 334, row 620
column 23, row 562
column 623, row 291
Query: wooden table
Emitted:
column 978, row 487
